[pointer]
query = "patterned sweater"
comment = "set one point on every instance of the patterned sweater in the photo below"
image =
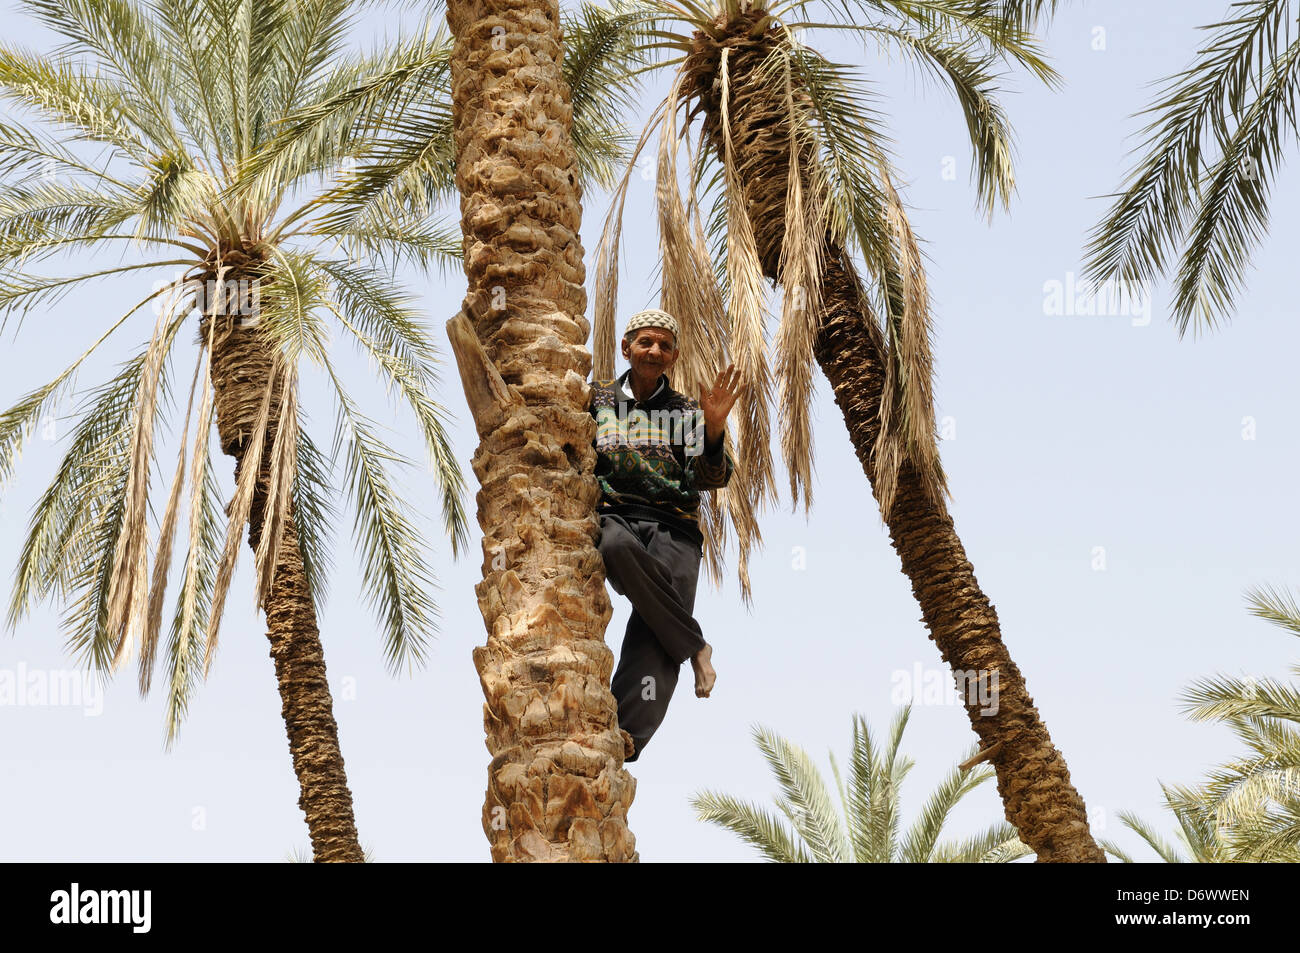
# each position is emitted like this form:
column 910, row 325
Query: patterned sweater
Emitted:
column 650, row 456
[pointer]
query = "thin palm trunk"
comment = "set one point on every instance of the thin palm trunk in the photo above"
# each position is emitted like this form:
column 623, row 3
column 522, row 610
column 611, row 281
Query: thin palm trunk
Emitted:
column 241, row 372
column 1033, row 779
column 557, row 790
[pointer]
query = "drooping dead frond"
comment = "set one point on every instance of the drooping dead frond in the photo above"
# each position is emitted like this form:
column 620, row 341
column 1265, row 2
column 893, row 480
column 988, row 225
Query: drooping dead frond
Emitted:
column 279, row 497
column 163, row 554
column 685, row 293
column 690, row 293
column 128, row 596
column 605, row 312
column 189, row 625
column 736, row 496
column 907, row 431
column 241, row 506
column 746, row 318
column 799, row 273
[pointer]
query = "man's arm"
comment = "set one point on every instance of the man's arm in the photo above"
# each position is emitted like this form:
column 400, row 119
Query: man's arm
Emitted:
column 714, row 468
column 711, row 469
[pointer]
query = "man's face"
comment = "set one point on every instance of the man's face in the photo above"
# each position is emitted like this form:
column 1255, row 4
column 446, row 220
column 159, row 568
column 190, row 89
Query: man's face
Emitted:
column 651, row 352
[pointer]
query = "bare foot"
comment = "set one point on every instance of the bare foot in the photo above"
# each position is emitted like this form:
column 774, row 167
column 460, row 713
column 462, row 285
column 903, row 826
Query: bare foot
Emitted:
column 705, row 676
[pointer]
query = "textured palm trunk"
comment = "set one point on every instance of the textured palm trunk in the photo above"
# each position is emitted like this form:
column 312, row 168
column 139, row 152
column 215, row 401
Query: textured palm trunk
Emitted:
column 557, row 790
column 241, row 369
column 1032, row 776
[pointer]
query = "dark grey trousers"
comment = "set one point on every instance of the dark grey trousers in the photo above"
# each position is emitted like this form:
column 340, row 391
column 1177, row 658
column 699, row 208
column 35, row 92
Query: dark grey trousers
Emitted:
column 657, row 569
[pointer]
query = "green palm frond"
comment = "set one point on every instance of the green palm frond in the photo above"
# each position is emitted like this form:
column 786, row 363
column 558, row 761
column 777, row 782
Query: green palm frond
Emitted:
column 313, row 515
column 126, row 42
column 921, row 839
column 33, row 152
column 1276, row 606
column 397, row 577
column 1000, row 844
column 889, row 782
column 871, row 803
column 1115, row 850
column 1233, row 214
column 390, row 332
column 95, row 109
column 754, row 825
column 53, row 211
column 22, row 293
column 604, row 49
column 968, row 71
column 399, row 102
column 804, row 793
column 1205, row 164
column 94, row 514
column 65, row 518
column 359, row 97
column 405, row 178
column 17, row 422
column 864, row 796
column 1157, row 843
column 1220, row 698
column 401, row 240
column 187, row 642
column 1247, row 809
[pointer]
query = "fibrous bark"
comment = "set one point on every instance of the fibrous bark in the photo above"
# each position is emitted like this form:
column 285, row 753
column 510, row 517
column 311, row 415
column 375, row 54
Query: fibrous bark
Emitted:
column 242, row 361
column 1032, row 776
column 557, row 790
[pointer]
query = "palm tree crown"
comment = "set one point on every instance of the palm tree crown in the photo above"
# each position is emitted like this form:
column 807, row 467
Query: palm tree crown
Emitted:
column 869, row 830
column 177, row 97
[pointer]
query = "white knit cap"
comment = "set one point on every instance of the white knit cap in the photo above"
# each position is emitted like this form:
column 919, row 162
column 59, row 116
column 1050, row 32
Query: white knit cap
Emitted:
column 652, row 318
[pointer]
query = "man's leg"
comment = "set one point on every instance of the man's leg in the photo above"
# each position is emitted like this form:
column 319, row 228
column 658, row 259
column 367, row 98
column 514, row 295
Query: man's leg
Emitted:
column 657, row 570
column 643, row 683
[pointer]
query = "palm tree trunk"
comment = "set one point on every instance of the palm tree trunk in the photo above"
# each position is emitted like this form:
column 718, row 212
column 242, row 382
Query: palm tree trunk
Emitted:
column 1033, row 780
column 241, row 370
column 1032, row 776
column 557, row 790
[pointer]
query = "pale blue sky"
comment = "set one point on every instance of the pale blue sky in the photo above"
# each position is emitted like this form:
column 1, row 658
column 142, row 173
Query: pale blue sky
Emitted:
column 1068, row 433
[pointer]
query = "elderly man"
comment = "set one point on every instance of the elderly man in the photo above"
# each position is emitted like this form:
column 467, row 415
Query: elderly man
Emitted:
column 652, row 461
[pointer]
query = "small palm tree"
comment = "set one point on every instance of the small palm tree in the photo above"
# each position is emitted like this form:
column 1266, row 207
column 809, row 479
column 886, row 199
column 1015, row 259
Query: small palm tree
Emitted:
column 174, row 99
column 868, row 831
column 1199, row 192
column 1199, row 836
column 1253, row 833
column 1258, row 795
column 1249, row 808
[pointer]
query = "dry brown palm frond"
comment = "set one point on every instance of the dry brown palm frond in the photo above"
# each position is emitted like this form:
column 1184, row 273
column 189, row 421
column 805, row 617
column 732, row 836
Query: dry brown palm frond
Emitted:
column 604, row 332
column 163, row 554
column 907, row 431
column 799, row 273
column 690, row 293
column 241, row 506
column 202, row 435
column 684, row 292
column 279, row 497
column 127, row 600
column 747, row 319
column 732, row 501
